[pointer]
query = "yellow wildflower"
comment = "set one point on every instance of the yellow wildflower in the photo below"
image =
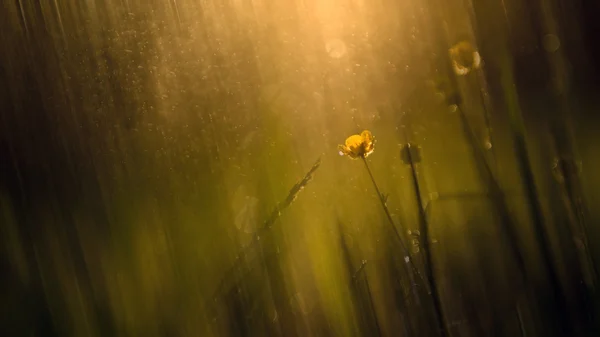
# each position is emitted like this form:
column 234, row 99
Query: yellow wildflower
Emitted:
column 358, row 146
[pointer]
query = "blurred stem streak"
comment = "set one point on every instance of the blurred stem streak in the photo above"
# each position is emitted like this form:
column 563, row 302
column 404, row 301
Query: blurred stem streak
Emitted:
column 573, row 200
column 517, row 128
column 496, row 193
column 369, row 297
column 361, row 291
column 424, row 231
column 561, row 130
column 483, row 90
column 562, row 141
column 498, row 198
column 275, row 214
column 521, row 322
column 486, row 173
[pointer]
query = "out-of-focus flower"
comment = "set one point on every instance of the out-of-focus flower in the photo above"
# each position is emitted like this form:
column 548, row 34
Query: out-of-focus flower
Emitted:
column 336, row 48
column 464, row 57
column 358, row 146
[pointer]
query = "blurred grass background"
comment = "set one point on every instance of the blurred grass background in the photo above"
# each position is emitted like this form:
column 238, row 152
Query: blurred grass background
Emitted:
column 144, row 143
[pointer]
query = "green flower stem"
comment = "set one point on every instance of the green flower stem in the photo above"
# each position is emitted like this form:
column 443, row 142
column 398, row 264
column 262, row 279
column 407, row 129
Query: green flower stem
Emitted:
column 407, row 258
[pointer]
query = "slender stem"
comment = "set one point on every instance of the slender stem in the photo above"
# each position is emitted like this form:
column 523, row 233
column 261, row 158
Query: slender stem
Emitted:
column 408, row 258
